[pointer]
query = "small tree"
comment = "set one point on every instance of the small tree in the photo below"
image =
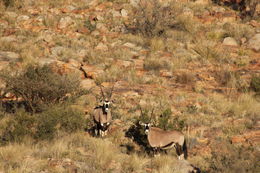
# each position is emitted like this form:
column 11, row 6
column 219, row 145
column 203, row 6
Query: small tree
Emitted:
column 39, row 86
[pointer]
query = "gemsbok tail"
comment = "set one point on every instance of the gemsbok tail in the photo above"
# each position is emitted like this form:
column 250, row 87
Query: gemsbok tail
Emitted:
column 185, row 150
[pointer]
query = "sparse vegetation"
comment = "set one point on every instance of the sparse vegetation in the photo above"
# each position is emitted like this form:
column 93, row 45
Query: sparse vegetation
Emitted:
column 151, row 19
column 168, row 58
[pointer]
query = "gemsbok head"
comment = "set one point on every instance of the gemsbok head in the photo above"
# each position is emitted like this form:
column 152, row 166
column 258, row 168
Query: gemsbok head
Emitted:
column 162, row 139
column 102, row 114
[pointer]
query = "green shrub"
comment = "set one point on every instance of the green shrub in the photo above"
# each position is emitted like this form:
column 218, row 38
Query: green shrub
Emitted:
column 18, row 126
column 58, row 118
column 164, row 120
column 255, row 84
column 39, row 86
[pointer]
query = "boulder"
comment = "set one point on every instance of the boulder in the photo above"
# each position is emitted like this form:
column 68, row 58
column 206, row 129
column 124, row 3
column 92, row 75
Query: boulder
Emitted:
column 65, row 22
column 254, row 43
column 124, row 13
column 87, row 84
column 91, row 72
column 8, row 56
column 230, row 41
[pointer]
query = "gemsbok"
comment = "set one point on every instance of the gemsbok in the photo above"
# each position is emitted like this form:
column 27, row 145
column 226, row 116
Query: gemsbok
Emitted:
column 102, row 115
column 162, row 139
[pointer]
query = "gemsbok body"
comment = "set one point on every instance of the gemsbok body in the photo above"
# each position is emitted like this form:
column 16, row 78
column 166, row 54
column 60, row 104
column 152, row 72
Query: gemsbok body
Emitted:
column 162, row 139
column 102, row 115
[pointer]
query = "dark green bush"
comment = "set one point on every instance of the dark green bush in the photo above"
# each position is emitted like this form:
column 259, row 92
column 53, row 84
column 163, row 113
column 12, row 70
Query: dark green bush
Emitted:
column 164, row 120
column 18, row 126
column 41, row 126
column 39, row 86
column 255, row 84
column 58, row 118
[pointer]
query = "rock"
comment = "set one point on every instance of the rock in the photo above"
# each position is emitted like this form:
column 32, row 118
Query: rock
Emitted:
column 123, row 63
column 65, row 22
column 183, row 166
column 254, row 43
column 135, row 3
column 8, row 56
column 130, row 45
column 46, row 36
column 44, row 61
column 204, row 2
column 74, row 63
column 101, row 27
column 124, row 13
column 22, row 18
column 11, row 38
column 101, row 46
column 165, row 73
column 91, row 71
column 116, row 13
column 138, row 63
column 229, row 41
column 95, row 33
column 87, row 84
column 238, row 139
column 66, row 68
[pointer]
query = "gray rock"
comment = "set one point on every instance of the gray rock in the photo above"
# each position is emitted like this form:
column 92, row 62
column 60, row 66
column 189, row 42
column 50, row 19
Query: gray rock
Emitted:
column 124, row 13
column 254, row 43
column 22, row 18
column 65, row 22
column 44, row 61
column 57, row 50
column 135, row 3
column 183, row 166
column 116, row 13
column 229, row 41
column 9, row 56
column 11, row 38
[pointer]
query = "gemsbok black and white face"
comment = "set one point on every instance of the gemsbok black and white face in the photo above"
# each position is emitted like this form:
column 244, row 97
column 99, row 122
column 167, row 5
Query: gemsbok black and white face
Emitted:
column 146, row 127
column 106, row 105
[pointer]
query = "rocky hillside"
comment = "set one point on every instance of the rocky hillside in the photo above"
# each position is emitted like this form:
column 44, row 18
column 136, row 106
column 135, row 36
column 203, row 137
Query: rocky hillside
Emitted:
column 193, row 66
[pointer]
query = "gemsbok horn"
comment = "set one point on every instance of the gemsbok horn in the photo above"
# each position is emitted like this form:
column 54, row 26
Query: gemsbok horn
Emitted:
column 102, row 115
column 161, row 139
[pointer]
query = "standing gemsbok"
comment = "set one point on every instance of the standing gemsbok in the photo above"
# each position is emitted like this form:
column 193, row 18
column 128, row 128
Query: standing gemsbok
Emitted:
column 161, row 139
column 102, row 115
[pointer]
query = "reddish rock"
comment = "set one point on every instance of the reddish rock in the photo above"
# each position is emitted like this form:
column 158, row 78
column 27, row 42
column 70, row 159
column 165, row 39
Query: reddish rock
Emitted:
column 138, row 63
column 165, row 73
column 91, row 71
column 65, row 68
column 101, row 46
column 87, row 84
column 123, row 63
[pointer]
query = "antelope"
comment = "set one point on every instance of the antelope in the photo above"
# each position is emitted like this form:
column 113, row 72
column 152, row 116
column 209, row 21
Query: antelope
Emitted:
column 161, row 139
column 102, row 115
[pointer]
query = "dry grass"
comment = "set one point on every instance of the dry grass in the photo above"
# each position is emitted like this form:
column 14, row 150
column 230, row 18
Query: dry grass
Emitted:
column 166, row 34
